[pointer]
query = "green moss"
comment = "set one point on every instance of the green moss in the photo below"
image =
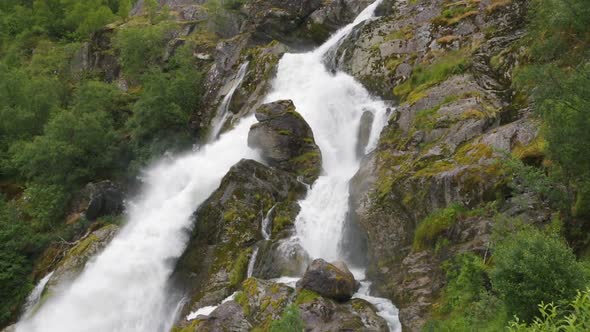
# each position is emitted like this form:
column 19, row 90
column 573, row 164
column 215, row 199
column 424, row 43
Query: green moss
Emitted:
column 308, row 164
column 285, row 132
column 434, row 225
column 306, row 296
column 189, row 328
column 426, row 76
column 536, row 149
column 405, row 33
column 240, row 267
column 456, row 12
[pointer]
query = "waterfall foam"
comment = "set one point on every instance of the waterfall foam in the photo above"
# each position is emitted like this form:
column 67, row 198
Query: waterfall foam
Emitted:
column 332, row 104
column 124, row 287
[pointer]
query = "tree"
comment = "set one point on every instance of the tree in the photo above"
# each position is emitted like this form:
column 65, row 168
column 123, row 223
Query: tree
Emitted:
column 530, row 268
column 124, row 9
column 74, row 147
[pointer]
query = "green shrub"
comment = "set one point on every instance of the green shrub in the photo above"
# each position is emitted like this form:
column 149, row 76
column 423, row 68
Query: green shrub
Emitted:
column 466, row 303
column 289, row 322
column 141, row 47
column 552, row 319
column 45, row 204
column 532, row 267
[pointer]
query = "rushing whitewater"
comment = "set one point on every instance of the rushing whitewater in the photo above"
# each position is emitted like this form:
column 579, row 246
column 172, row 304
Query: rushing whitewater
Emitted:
column 332, row 104
column 124, row 288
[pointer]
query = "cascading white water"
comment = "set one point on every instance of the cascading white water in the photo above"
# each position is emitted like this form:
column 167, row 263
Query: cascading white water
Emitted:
column 223, row 111
column 332, row 104
column 124, row 288
column 35, row 296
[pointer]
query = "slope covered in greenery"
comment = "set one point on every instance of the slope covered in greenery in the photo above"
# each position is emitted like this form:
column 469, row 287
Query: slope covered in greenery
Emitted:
column 62, row 126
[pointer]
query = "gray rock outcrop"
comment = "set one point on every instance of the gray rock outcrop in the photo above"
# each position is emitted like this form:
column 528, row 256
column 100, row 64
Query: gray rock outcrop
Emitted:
column 285, row 140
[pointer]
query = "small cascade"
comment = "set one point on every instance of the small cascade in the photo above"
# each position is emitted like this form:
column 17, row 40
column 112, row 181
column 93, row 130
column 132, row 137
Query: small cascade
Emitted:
column 266, row 232
column 252, row 262
column 205, row 311
column 223, row 112
column 35, row 296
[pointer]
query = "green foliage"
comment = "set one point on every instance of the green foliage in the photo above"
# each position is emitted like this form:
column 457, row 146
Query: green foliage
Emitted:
column 74, row 147
column 141, row 47
column 434, row 225
column 44, row 204
column 466, row 303
column 552, row 319
column 239, row 269
column 18, row 246
column 532, row 267
column 289, row 322
column 558, row 77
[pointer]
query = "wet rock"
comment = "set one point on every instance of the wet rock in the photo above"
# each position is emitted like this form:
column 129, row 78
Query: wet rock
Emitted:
column 105, row 199
column 261, row 302
column 364, row 133
column 76, row 258
column 322, row 314
column 337, row 13
column 281, row 258
column 227, row 226
column 264, row 301
column 285, row 140
column 329, row 280
column 227, row 317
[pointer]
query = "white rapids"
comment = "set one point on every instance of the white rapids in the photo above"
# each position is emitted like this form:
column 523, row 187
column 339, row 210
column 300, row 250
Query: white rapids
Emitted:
column 125, row 287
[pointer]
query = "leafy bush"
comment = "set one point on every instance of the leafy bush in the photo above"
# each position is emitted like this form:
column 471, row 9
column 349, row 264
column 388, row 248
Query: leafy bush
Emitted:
column 45, row 204
column 289, row 322
column 19, row 245
column 74, row 148
column 552, row 319
column 530, row 268
column 466, row 303
column 141, row 47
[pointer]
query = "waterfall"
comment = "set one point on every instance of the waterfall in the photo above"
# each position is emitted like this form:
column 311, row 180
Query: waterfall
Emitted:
column 266, row 232
column 35, row 296
column 332, row 104
column 124, row 287
column 223, row 111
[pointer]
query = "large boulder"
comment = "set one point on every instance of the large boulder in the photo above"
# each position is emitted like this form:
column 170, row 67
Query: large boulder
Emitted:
column 285, row 140
column 322, row 315
column 333, row 281
column 104, row 199
column 227, row 227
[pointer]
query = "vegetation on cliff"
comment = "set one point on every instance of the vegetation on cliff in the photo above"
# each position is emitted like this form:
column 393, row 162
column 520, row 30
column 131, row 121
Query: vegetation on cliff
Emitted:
column 533, row 276
column 66, row 119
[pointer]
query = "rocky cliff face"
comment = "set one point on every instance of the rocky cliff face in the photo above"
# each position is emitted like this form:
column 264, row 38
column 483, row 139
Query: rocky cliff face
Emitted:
column 449, row 66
